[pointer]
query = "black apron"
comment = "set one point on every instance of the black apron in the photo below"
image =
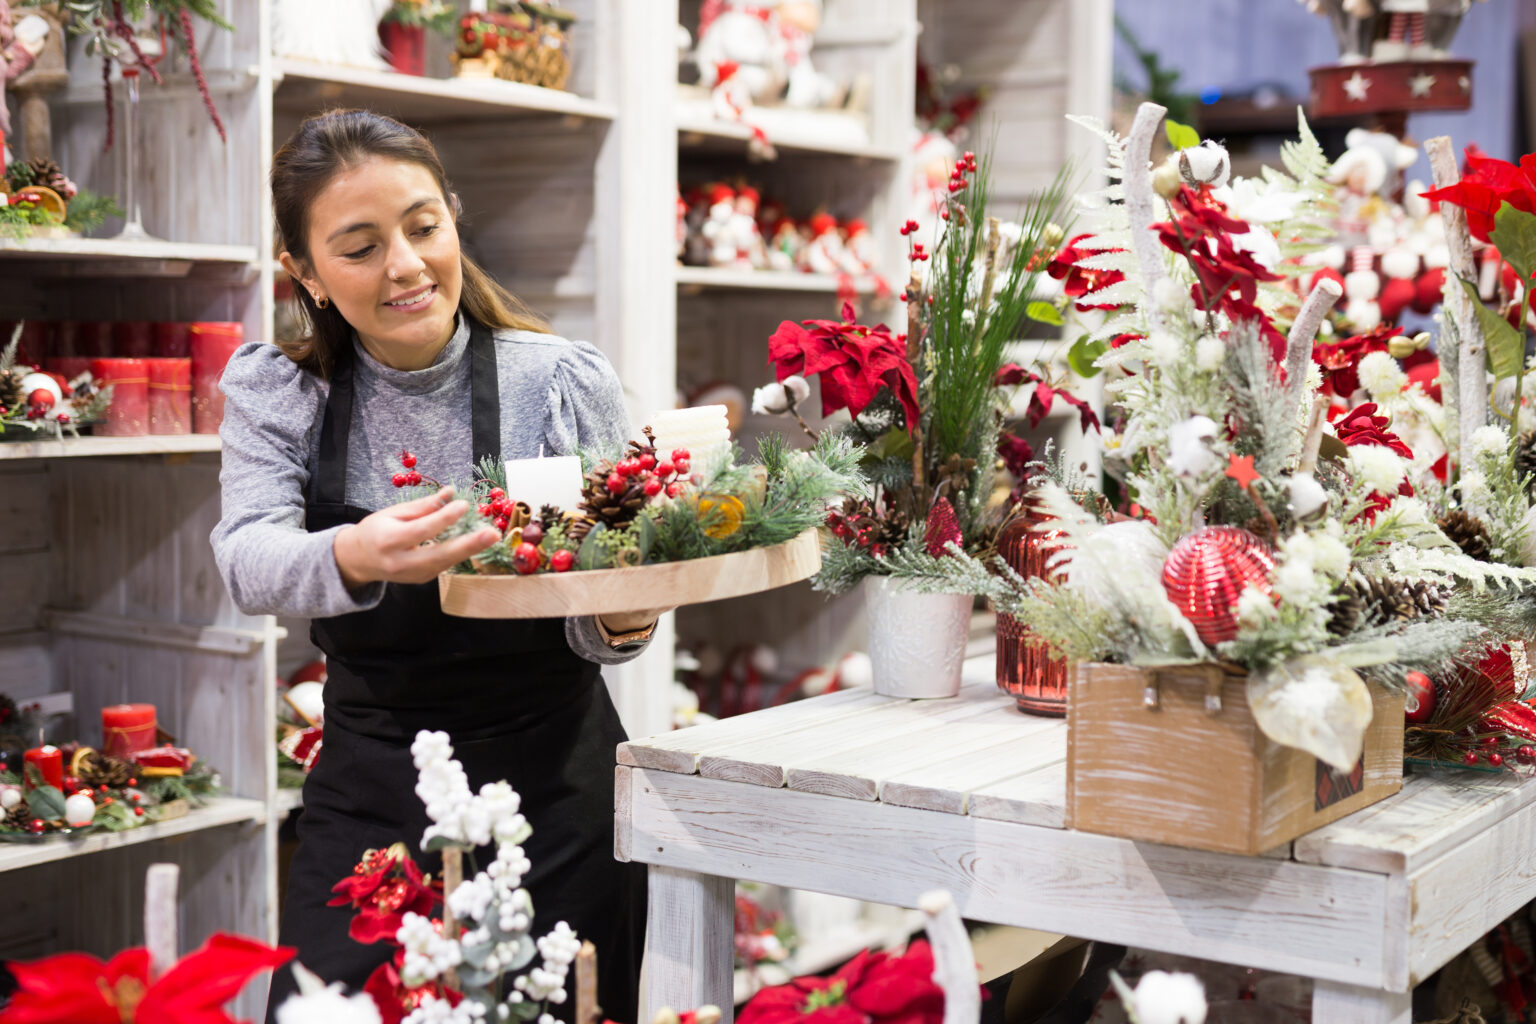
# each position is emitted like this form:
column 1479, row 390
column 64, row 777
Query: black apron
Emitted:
column 517, row 704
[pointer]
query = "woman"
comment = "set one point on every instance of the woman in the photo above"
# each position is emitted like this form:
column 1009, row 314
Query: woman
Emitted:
column 412, row 346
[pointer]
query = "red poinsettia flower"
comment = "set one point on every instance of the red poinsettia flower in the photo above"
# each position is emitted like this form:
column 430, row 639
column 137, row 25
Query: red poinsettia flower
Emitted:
column 394, row 1000
column 1044, row 396
column 1079, row 281
column 81, row 989
column 1361, row 425
column 1487, row 184
column 853, row 361
column 1340, row 360
column 384, row 887
column 872, row 988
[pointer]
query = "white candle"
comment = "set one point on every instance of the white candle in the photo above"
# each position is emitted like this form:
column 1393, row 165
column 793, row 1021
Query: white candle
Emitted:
column 548, row 481
column 703, row 430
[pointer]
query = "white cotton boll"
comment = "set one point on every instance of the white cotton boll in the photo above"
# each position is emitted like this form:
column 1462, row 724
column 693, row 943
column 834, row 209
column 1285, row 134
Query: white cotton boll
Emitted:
column 1362, row 284
column 1210, row 352
column 1488, row 440
column 1330, row 555
column 1205, row 164
column 1307, row 496
column 1169, row 295
column 329, row 1006
column 1189, row 448
column 1295, row 582
column 770, row 400
column 1254, row 608
column 1382, row 376
column 1400, row 262
column 1363, row 314
column 1378, row 468
column 1164, row 347
column 1164, row 998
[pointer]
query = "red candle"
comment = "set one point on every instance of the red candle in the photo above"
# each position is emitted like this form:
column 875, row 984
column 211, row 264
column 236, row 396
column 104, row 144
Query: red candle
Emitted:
column 170, row 396
column 68, row 367
column 50, row 764
column 127, row 729
column 128, row 415
column 212, row 345
column 173, row 340
column 35, row 344
column 133, row 339
column 92, row 338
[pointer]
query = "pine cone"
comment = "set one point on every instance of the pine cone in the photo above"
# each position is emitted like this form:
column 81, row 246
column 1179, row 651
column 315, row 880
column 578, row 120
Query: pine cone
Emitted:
column 955, row 473
column 550, row 517
column 1468, row 533
column 1525, row 456
column 47, row 173
column 19, row 817
column 96, row 769
column 1378, row 600
column 603, row 506
column 11, row 397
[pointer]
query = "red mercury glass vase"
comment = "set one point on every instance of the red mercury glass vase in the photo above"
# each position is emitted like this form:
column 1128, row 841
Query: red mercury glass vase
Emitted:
column 405, row 46
column 1026, row 671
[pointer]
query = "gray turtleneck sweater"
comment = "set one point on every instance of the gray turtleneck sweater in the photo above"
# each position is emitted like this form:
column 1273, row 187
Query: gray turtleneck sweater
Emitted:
column 556, row 395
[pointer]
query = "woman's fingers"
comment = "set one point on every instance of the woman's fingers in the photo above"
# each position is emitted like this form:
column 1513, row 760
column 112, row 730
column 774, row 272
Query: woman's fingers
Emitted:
column 418, row 507
column 424, row 528
column 431, row 559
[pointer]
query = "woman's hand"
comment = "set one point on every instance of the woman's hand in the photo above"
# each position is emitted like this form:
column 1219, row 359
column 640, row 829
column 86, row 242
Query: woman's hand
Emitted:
column 628, row 622
column 393, row 544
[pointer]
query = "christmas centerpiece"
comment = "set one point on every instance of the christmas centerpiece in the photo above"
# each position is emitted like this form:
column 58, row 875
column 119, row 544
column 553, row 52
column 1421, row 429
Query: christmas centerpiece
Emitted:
column 1270, row 584
column 929, row 408
column 37, row 200
column 35, row 405
column 518, row 41
column 674, row 519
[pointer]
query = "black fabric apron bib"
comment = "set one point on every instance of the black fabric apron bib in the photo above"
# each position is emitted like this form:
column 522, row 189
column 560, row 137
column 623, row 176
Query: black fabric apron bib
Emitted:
column 517, row 704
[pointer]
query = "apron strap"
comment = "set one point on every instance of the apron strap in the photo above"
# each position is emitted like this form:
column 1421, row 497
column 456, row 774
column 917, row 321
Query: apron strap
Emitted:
column 329, row 484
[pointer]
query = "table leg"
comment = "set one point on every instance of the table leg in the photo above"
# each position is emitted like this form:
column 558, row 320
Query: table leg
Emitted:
column 689, row 942
column 1334, row 1003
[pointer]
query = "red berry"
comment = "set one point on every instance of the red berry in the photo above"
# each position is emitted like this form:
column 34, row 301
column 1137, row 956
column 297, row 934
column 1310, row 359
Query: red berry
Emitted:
column 562, row 560
column 533, row 533
column 496, row 494
column 665, row 469
column 138, row 812
column 944, row 213
column 681, row 465
column 1471, row 757
column 63, row 417
column 407, row 460
column 502, row 522
column 134, row 782
column 680, row 453
column 616, row 484
column 1496, row 759
column 135, row 797
column 413, row 478
column 1490, row 741
column 398, row 479
column 1525, row 755
column 672, row 490
column 487, row 511
column 652, row 487
column 36, row 827
column 526, row 559
column 102, row 788
column 647, row 462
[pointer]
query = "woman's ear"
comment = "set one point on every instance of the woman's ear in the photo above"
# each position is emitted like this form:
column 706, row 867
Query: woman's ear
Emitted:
column 456, row 205
column 300, row 273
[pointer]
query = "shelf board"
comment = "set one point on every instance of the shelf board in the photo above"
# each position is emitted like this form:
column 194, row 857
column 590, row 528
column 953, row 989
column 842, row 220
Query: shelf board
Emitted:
column 164, row 444
column 107, row 257
column 304, row 87
column 800, row 131
column 693, row 279
column 287, row 801
column 217, row 812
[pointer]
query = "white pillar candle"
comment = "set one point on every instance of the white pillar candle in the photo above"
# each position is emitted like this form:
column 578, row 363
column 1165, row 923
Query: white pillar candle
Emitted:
column 548, row 481
column 703, row 430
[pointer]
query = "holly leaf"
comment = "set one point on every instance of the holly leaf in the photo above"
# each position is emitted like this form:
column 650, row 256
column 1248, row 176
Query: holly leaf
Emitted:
column 46, row 802
column 1506, row 346
column 1514, row 234
column 1084, row 353
column 1180, row 136
column 1043, row 312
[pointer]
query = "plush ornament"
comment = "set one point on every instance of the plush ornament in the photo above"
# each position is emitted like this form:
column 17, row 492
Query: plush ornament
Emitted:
column 751, row 253
column 1362, row 285
column 856, row 670
column 1400, row 261
column 79, row 810
column 10, row 796
column 342, row 32
column 1364, row 315
column 1421, row 697
column 823, row 252
column 1208, row 570
column 1428, row 290
column 1398, row 295
column 1326, row 274
column 739, row 49
column 308, row 700
column 858, row 248
column 785, row 243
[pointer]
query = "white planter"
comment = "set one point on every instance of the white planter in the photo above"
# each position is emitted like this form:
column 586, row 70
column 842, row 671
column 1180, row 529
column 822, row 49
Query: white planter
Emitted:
column 916, row 641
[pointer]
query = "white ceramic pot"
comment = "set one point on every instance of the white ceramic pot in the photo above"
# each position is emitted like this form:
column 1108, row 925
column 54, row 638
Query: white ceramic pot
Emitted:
column 916, row 641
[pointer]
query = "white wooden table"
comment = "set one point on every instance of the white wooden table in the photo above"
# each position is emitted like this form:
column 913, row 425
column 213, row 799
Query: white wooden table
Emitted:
column 881, row 799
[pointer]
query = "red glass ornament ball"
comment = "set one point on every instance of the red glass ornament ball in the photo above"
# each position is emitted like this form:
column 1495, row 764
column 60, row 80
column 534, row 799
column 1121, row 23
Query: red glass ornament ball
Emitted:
column 1421, row 691
column 1208, row 570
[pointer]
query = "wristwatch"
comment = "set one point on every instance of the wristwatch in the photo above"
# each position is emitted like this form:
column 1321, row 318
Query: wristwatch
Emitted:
column 629, row 641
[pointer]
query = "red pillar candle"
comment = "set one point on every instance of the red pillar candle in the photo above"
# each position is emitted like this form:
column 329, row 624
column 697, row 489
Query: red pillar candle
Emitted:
column 212, row 345
column 173, row 340
column 34, row 346
column 68, row 367
column 50, row 765
column 92, row 338
column 128, row 415
column 133, row 339
column 127, row 729
column 170, row 396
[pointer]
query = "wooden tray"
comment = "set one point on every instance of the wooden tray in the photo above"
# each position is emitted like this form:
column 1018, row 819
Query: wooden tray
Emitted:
column 611, row 591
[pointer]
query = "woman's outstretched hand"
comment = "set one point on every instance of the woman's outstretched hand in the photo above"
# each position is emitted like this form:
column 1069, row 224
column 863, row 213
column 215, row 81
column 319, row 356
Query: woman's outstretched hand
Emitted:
column 393, row 545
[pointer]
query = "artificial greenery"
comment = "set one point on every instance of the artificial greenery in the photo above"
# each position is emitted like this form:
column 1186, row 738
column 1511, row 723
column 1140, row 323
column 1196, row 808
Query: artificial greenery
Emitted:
column 433, row 15
column 18, row 219
column 88, row 210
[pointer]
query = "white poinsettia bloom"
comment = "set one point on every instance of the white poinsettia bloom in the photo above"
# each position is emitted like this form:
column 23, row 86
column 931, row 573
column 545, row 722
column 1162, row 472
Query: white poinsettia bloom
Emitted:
column 1381, row 375
column 1164, row 998
column 1259, row 202
column 1259, row 243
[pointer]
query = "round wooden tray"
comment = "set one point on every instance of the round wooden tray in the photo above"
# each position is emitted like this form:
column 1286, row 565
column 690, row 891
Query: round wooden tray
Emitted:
column 612, row 591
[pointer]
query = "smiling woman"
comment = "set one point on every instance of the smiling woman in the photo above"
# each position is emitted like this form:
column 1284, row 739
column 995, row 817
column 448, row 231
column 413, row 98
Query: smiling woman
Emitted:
column 412, row 346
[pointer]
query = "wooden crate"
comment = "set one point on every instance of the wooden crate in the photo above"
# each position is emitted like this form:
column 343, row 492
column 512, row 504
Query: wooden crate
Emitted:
column 1177, row 774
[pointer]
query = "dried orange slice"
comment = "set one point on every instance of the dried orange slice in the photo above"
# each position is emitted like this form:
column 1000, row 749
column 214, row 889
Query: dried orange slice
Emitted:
column 45, row 197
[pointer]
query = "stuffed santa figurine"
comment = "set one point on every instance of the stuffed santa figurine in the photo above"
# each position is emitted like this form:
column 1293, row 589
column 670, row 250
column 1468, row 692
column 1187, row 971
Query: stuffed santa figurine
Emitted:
column 718, row 229
column 823, row 253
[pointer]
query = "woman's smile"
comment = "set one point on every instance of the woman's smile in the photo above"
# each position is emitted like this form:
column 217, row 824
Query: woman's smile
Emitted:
column 413, row 301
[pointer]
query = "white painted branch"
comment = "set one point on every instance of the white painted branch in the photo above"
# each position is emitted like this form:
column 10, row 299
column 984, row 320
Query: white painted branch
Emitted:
column 1471, row 358
column 954, row 964
column 160, row 884
column 1139, row 197
column 1298, row 344
column 1314, row 440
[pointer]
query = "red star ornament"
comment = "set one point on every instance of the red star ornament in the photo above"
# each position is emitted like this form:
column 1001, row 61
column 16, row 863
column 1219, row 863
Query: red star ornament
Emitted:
column 1240, row 468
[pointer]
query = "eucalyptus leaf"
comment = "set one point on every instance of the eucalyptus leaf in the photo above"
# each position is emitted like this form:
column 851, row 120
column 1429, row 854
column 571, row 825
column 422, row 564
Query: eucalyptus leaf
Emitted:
column 1180, row 136
column 475, row 977
column 1043, row 312
column 1315, row 704
column 1514, row 233
column 591, row 555
column 1506, row 346
column 526, row 951
column 1084, row 353
column 46, row 803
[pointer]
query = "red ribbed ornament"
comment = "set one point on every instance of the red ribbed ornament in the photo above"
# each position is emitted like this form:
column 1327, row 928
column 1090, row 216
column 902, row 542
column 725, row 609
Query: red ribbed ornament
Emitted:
column 1208, row 570
column 1025, row 669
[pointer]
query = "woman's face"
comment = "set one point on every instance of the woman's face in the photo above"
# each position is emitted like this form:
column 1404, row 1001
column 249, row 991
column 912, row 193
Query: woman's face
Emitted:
column 384, row 249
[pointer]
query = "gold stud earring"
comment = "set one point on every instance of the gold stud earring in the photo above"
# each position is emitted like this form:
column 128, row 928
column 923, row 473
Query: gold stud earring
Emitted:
column 321, row 302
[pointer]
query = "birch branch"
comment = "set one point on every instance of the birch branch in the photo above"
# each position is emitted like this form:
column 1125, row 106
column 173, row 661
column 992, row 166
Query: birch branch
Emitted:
column 587, row 1009
column 954, row 964
column 1298, row 344
column 1139, row 200
column 1471, row 357
column 160, row 884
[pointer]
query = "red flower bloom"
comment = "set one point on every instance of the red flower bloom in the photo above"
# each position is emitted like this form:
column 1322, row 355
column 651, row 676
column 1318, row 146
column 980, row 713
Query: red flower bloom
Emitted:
column 1486, row 185
column 384, row 887
column 872, row 988
column 393, row 999
column 81, row 989
column 1080, row 281
column 1362, row 426
column 1340, row 360
column 853, row 361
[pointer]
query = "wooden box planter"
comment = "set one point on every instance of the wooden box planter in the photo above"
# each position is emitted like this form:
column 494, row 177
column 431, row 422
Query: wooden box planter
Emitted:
column 1181, row 774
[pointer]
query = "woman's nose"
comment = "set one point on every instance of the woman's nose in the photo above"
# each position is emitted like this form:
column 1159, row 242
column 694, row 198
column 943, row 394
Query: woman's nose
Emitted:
column 404, row 264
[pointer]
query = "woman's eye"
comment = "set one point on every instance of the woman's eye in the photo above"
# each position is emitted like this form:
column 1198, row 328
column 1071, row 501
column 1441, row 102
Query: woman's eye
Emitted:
column 359, row 254
column 428, row 229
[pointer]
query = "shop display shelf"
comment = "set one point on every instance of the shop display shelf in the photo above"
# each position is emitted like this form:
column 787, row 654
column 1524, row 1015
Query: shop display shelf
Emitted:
column 811, row 132
column 108, row 257
column 216, row 813
column 287, row 801
column 303, row 86
column 164, row 444
column 693, row 280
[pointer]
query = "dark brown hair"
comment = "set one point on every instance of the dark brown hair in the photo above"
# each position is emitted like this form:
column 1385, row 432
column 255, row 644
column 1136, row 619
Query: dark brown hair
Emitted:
column 319, row 149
